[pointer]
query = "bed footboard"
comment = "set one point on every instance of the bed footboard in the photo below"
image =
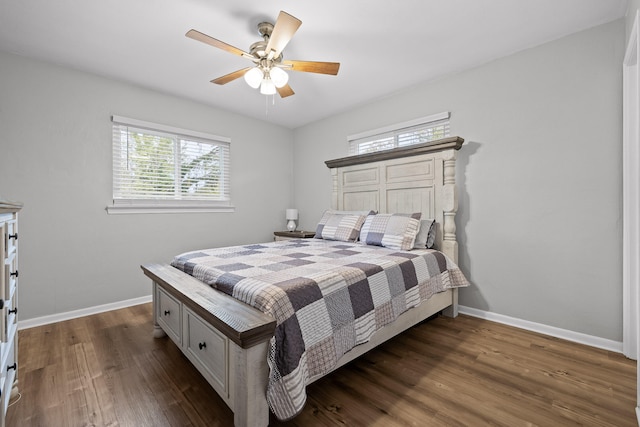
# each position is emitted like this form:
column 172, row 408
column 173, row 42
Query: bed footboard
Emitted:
column 225, row 339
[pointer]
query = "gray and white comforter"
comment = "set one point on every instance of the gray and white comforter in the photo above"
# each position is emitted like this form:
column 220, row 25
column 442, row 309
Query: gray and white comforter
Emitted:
column 326, row 297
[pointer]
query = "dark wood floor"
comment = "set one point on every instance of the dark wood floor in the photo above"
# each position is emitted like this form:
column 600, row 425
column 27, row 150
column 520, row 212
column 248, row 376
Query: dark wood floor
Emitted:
column 107, row 370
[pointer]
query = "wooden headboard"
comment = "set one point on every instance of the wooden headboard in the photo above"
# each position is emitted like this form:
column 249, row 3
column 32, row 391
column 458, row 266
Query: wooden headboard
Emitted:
column 419, row 178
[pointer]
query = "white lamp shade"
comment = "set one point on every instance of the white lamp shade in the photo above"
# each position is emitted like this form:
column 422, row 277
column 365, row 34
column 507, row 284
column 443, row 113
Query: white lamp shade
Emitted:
column 267, row 87
column 292, row 214
column 254, row 77
column 279, row 76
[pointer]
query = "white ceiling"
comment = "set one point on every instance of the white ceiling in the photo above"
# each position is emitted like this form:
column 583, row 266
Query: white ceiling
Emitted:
column 383, row 46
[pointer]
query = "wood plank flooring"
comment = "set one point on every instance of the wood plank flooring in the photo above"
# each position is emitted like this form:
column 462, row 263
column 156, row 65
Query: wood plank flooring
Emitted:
column 107, row 370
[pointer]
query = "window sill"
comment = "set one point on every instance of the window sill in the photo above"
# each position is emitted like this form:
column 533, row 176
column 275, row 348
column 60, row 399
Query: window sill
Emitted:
column 167, row 207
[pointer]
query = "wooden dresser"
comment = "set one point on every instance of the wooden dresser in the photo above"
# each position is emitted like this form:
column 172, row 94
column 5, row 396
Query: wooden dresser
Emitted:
column 8, row 304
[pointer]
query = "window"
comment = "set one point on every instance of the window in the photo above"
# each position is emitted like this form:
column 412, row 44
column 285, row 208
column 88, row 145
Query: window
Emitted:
column 159, row 168
column 417, row 131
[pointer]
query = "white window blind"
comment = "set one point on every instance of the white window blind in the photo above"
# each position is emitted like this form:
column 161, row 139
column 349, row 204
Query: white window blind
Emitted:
column 157, row 167
column 416, row 131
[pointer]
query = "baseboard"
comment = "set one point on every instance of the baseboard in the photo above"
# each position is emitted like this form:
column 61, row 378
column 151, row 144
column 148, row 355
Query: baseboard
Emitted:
column 507, row 320
column 564, row 334
column 60, row 317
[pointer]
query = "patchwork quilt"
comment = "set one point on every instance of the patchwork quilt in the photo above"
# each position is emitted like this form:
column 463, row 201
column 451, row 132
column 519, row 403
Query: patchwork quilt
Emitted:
column 326, row 296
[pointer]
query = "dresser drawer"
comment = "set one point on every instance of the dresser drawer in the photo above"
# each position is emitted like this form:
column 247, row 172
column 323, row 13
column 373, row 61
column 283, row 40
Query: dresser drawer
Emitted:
column 208, row 350
column 8, row 320
column 10, row 236
column 3, row 257
column 10, row 277
column 8, row 375
column 169, row 315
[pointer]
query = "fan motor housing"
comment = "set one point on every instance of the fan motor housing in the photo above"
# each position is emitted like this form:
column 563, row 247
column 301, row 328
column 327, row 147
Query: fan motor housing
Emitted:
column 265, row 29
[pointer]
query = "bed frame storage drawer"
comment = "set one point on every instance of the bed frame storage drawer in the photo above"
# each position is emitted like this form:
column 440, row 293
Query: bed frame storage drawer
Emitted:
column 208, row 350
column 169, row 315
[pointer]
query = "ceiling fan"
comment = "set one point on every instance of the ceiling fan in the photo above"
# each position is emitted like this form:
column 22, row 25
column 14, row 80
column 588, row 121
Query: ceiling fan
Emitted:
column 269, row 71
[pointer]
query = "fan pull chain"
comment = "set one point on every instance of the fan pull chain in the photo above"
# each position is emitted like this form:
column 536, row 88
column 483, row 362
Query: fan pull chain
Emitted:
column 266, row 103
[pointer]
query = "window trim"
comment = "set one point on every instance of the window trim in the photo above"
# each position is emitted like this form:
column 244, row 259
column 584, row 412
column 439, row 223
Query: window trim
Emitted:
column 141, row 206
column 166, row 128
column 138, row 206
column 446, row 115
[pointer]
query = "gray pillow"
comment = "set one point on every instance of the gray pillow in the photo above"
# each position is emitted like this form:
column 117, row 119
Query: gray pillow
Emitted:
column 335, row 226
column 393, row 231
column 426, row 235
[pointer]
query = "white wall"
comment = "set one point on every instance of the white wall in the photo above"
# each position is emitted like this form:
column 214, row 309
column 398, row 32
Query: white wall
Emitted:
column 55, row 156
column 540, row 222
column 633, row 6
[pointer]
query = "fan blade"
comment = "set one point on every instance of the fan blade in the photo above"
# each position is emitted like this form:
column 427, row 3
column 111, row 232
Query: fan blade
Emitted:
column 313, row 67
column 201, row 37
column 284, row 29
column 285, row 91
column 230, row 77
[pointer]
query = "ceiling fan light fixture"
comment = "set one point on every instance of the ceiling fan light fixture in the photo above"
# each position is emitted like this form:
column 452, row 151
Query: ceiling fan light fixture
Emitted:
column 267, row 87
column 254, row 77
column 266, row 56
column 279, row 77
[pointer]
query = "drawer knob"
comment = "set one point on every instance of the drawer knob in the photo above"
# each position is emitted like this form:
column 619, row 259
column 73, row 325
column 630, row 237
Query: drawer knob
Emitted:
column 202, row 345
column 14, row 311
column 14, row 274
column 13, row 236
column 14, row 366
column 167, row 312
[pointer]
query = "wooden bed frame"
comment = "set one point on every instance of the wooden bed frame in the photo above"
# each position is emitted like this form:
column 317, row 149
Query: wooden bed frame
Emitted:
column 228, row 340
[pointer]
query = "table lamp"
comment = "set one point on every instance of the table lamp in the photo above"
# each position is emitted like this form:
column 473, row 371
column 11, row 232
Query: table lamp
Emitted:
column 292, row 216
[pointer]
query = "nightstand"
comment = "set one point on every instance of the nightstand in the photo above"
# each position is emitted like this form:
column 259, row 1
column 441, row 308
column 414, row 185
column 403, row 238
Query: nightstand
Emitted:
column 286, row 235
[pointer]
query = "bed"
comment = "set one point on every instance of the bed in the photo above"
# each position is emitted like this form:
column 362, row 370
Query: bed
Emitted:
column 261, row 353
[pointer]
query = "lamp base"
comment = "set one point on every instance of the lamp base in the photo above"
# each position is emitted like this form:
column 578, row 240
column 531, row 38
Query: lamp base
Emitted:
column 291, row 225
